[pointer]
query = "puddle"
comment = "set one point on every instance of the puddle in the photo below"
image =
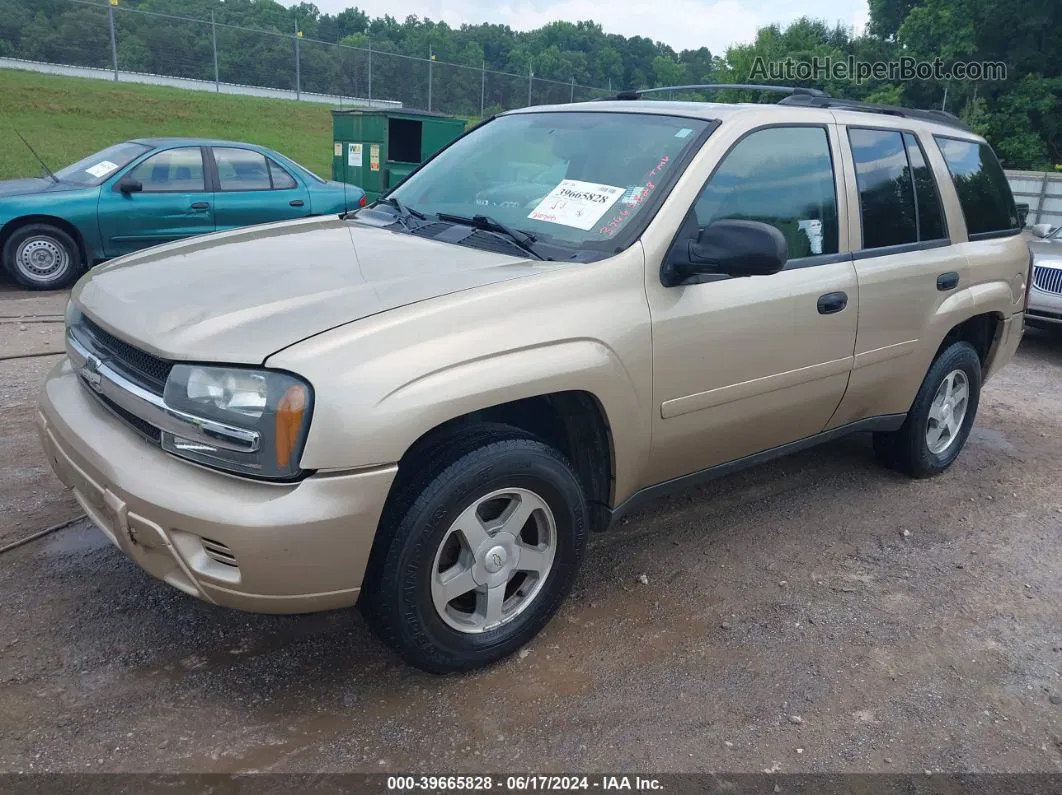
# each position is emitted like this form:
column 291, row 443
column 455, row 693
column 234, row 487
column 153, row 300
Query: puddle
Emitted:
column 83, row 537
column 995, row 440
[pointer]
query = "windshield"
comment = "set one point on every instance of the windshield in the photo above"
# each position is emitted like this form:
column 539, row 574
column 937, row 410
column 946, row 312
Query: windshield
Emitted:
column 94, row 169
column 569, row 178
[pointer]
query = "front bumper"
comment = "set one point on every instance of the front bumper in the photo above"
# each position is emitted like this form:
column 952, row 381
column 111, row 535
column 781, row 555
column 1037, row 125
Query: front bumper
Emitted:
column 1045, row 309
column 264, row 547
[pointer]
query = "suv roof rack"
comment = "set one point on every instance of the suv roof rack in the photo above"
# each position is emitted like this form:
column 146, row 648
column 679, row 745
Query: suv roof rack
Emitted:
column 810, row 98
column 826, row 101
column 636, row 93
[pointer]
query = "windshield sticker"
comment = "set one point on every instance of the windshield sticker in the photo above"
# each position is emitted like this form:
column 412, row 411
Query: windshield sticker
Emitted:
column 613, row 226
column 683, row 133
column 577, row 204
column 101, row 169
column 633, row 194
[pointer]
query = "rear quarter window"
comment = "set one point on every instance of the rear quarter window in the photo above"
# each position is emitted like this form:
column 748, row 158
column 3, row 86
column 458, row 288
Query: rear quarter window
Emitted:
column 984, row 194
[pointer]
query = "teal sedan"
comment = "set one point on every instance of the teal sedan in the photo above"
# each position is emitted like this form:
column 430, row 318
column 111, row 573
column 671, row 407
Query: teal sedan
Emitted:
column 146, row 192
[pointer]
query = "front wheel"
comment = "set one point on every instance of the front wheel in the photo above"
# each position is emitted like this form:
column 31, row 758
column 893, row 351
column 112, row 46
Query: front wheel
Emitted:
column 477, row 552
column 42, row 257
column 940, row 418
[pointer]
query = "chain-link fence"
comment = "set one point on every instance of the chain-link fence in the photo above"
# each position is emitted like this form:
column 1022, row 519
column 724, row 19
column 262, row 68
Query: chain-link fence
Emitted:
column 131, row 41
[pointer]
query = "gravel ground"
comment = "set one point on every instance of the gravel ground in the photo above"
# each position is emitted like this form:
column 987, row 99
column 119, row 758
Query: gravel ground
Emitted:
column 815, row 614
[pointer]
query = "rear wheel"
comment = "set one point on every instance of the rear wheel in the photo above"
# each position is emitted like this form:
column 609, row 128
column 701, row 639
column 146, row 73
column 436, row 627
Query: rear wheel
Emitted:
column 42, row 257
column 940, row 418
column 476, row 551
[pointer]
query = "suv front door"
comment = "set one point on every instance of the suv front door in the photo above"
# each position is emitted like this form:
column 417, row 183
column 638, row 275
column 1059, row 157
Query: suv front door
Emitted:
column 742, row 365
column 173, row 202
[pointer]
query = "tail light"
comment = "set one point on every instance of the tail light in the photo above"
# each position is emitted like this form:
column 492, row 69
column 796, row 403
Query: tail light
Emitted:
column 363, row 201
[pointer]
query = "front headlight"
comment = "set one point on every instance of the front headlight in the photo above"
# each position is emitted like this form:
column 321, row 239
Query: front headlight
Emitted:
column 259, row 418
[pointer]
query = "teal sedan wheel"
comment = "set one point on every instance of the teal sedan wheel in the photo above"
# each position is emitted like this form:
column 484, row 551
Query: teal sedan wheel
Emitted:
column 42, row 257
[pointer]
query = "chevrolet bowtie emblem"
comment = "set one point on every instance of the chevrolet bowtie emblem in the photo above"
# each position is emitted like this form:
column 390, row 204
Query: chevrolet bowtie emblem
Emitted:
column 90, row 372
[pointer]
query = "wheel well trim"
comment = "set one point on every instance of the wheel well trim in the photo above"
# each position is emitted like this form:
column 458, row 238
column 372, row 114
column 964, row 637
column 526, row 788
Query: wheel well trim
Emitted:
column 479, row 385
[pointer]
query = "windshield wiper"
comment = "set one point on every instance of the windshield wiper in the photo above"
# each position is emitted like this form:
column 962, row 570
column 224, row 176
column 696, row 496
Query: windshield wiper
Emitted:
column 404, row 213
column 522, row 240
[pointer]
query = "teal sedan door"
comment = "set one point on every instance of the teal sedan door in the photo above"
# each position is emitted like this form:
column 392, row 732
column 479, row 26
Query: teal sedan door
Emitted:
column 252, row 188
column 163, row 198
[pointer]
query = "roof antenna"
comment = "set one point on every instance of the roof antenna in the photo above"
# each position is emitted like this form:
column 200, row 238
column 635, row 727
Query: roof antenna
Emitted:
column 344, row 157
column 44, row 165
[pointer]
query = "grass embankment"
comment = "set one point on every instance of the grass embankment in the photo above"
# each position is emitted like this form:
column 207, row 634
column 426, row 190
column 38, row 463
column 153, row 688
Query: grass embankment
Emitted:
column 67, row 118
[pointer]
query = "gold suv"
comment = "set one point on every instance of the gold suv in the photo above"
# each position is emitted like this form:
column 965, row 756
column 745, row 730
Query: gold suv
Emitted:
column 426, row 405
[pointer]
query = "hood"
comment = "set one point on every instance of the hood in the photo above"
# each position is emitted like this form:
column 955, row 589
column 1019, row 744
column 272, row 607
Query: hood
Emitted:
column 240, row 296
column 1046, row 249
column 32, row 185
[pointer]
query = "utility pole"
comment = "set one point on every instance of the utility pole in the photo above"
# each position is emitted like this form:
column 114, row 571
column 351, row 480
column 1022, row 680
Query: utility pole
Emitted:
column 214, row 39
column 572, row 98
column 482, row 88
column 370, row 73
column 114, row 39
column 431, row 60
column 530, row 80
column 298, row 62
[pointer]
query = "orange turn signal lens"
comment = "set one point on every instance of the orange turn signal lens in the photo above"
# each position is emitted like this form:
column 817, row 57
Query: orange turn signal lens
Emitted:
column 290, row 414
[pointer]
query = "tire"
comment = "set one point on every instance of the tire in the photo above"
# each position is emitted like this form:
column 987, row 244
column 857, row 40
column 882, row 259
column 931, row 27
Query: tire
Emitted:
column 42, row 257
column 932, row 436
column 496, row 467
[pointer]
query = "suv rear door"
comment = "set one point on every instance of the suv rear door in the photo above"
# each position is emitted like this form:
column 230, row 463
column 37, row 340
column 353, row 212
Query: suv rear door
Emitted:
column 741, row 365
column 910, row 261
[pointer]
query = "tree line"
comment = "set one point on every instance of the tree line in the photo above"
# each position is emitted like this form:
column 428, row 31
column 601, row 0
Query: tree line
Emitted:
column 1020, row 115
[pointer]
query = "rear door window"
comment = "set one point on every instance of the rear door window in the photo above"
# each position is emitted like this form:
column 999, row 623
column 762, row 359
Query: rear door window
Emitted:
column 930, row 215
column 241, row 169
column 886, row 193
column 984, row 194
column 282, row 180
column 898, row 199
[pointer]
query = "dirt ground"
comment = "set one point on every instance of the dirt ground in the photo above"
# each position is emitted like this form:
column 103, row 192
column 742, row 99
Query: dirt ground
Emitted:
column 814, row 614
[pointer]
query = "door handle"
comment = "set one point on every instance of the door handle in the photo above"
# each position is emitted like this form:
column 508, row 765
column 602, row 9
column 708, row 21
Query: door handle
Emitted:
column 832, row 303
column 296, row 202
column 948, row 281
column 200, row 205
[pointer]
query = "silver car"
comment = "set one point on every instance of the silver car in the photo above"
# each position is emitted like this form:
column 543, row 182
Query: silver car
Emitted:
column 1045, row 299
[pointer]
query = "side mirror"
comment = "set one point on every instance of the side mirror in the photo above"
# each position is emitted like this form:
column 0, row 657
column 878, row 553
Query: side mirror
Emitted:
column 728, row 247
column 1041, row 230
column 127, row 185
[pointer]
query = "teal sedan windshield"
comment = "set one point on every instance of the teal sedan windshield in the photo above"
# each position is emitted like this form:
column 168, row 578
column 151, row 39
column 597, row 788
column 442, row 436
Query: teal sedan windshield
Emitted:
column 570, row 178
column 94, row 169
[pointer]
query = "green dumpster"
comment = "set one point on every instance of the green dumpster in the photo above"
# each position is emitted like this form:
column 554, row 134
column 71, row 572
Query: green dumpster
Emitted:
column 377, row 149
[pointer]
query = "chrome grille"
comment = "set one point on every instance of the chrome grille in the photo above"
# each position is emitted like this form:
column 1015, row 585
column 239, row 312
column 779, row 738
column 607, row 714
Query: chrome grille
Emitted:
column 1048, row 279
column 147, row 370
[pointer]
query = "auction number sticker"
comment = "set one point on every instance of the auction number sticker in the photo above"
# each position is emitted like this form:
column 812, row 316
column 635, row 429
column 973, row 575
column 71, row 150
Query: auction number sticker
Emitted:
column 576, row 203
column 102, row 169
